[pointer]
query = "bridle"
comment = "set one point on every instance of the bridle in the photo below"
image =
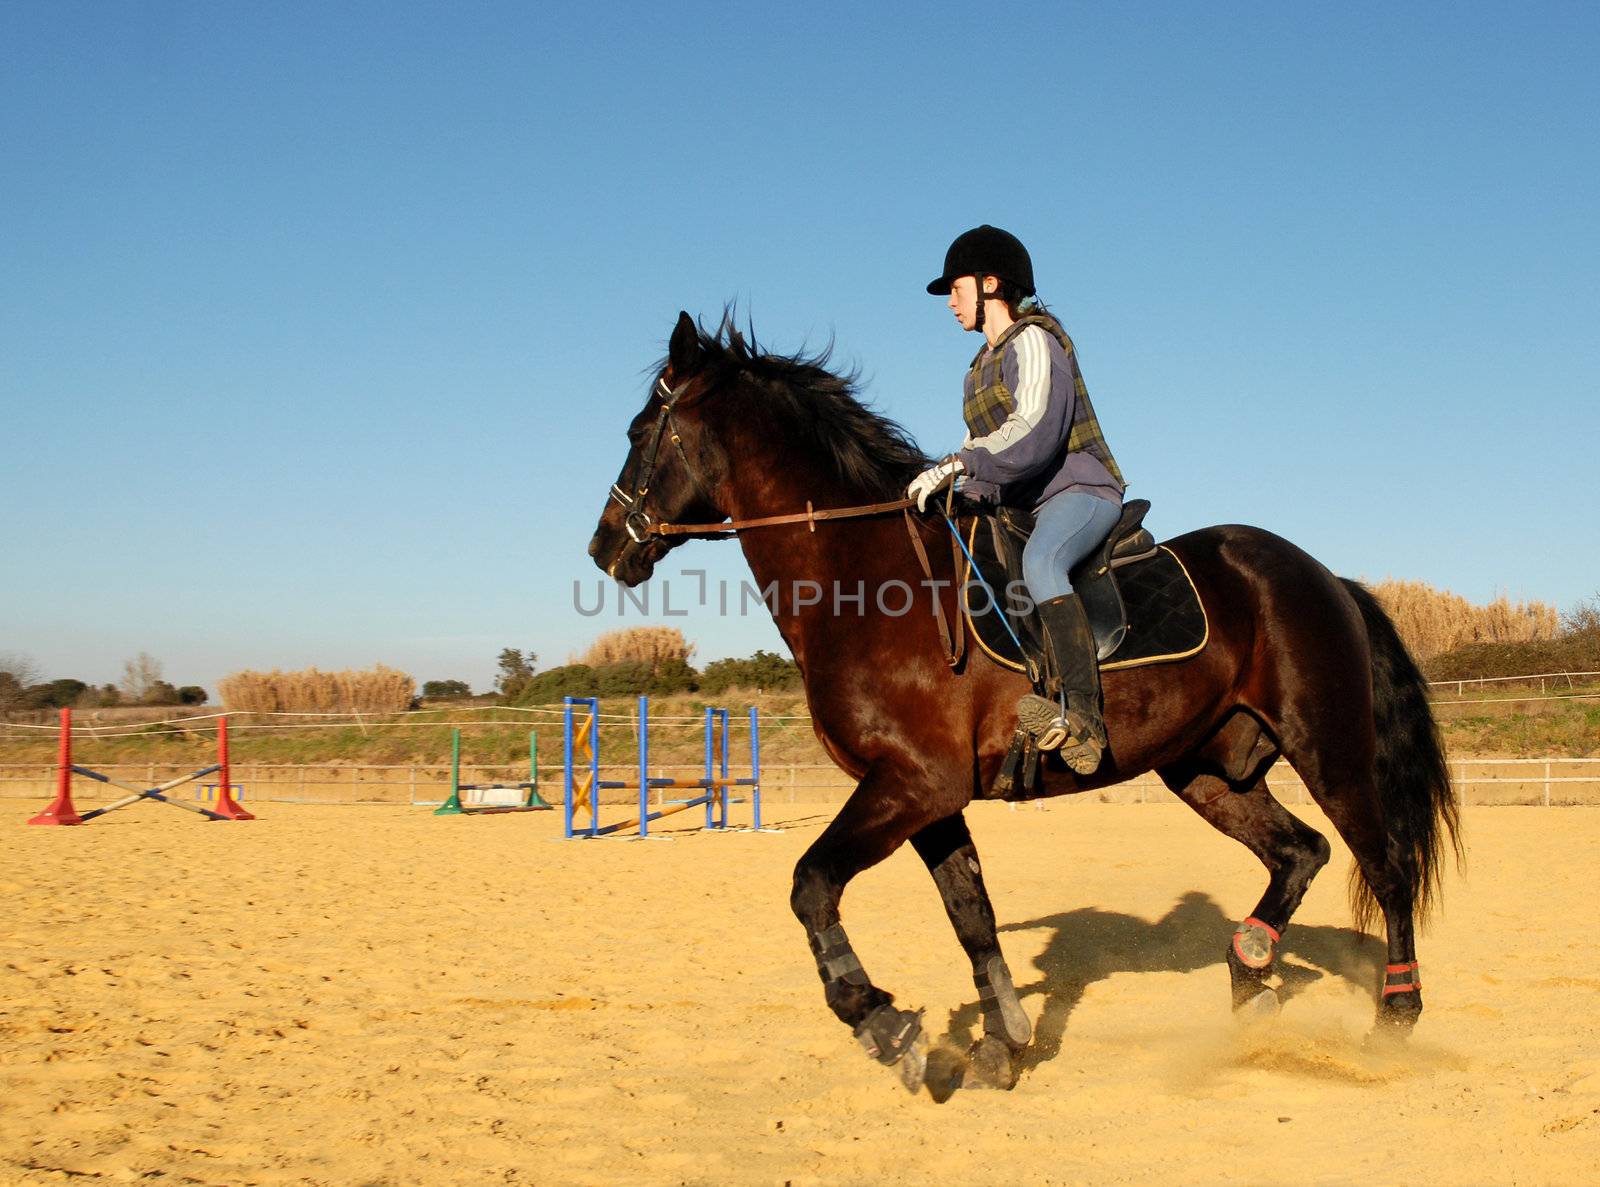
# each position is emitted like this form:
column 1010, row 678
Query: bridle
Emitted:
column 641, row 526
column 638, row 522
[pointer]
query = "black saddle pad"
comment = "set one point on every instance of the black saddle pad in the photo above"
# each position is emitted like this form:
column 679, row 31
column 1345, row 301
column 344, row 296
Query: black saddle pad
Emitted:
column 1166, row 621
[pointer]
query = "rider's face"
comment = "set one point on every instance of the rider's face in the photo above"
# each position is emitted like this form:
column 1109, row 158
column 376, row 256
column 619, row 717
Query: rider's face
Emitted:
column 963, row 301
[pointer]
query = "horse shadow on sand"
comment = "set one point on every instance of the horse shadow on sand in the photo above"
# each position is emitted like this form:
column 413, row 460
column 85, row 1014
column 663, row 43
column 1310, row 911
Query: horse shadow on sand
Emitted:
column 1089, row 945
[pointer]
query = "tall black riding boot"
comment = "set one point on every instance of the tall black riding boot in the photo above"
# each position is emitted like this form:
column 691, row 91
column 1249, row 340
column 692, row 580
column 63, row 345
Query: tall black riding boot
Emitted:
column 1081, row 733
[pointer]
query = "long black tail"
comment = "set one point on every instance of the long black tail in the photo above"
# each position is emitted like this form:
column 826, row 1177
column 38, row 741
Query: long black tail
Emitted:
column 1413, row 778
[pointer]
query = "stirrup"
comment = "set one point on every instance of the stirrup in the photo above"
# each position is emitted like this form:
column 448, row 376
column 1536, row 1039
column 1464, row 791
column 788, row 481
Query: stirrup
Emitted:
column 1043, row 720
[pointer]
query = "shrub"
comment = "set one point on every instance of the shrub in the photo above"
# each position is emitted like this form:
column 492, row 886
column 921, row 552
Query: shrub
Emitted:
column 446, row 689
column 764, row 671
column 1432, row 621
column 573, row 680
column 651, row 645
column 381, row 690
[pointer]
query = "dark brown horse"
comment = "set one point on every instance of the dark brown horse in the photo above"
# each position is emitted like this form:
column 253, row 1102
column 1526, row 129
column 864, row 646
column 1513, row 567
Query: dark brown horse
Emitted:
column 1300, row 664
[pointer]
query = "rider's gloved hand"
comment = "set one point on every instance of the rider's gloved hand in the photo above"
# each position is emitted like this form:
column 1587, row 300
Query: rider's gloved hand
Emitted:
column 934, row 478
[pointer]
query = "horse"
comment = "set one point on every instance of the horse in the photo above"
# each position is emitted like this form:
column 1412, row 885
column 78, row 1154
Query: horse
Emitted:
column 1299, row 665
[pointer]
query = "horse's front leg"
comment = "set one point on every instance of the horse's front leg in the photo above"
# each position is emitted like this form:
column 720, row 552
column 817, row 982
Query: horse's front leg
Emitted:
column 885, row 810
column 946, row 848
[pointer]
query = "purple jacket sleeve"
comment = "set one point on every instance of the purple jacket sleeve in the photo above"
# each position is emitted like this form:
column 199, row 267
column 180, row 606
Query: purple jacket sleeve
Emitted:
column 1032, row 438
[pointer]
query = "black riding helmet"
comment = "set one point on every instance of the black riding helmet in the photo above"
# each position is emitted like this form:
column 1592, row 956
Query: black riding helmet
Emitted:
column 985, row 251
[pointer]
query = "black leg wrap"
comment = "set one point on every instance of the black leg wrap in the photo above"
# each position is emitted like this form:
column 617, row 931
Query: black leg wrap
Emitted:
column 1003, row 1016
column 889, row 1033
column 836, row 960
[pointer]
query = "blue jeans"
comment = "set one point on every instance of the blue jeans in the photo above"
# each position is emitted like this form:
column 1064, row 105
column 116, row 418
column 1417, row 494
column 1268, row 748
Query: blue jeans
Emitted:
column 1070, row 526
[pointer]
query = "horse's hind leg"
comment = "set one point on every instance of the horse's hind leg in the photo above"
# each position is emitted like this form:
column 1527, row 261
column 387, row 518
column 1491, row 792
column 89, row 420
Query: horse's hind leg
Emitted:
column 1292, row 851
column 1390, row 872
column 946, row 849
column 1342, row 779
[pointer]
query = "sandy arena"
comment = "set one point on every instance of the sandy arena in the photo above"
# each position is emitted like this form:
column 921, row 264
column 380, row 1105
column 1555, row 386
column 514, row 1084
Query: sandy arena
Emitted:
column 366, row 995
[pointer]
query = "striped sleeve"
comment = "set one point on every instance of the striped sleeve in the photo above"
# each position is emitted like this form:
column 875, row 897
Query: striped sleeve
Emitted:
column 1031, row 350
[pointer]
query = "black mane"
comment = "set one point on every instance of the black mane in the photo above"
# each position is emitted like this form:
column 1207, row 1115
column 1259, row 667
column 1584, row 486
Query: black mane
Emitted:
column 817, row 408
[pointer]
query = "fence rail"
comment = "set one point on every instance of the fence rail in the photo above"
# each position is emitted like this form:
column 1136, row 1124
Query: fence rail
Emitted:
column 1544, row 781
column 1543, row 679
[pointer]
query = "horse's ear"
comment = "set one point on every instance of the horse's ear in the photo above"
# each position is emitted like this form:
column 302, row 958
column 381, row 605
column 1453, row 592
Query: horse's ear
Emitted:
column 684, row 351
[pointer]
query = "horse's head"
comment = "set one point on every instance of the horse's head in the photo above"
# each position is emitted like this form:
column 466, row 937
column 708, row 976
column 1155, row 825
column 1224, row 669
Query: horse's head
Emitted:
column 673, row 471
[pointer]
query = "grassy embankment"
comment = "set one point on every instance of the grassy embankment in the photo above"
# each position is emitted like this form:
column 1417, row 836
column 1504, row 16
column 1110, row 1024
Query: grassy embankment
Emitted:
column 1487, row 724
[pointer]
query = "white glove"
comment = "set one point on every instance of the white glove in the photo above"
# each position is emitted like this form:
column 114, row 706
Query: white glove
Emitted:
column 932, row 479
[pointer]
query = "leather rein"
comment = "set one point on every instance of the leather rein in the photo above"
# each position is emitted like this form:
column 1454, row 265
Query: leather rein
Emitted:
column 641, row 525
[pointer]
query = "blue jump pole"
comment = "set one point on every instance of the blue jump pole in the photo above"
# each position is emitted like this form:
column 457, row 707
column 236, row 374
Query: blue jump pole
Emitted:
column 567, row 789
column 594, row 766
column 755, row 766
column 644, row 766
column 711, row 767
column 722, row 718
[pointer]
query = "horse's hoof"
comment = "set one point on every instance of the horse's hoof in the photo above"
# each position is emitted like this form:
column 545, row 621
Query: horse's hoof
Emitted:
column 913, row 1065
column 989, row 1065
column 1397, row 1014
column 895, row 1039
column 946, row 1072
column 1260, row 1007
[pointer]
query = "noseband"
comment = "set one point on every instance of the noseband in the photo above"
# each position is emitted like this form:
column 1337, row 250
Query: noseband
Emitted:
column 636, row 519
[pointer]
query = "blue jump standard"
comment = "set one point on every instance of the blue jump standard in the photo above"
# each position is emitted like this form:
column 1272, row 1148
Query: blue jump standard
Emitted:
column 713, row 785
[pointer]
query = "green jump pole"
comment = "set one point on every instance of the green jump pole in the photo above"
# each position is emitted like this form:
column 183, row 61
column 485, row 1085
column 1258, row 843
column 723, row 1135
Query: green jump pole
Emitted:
column 534, row 800
column 452, row 806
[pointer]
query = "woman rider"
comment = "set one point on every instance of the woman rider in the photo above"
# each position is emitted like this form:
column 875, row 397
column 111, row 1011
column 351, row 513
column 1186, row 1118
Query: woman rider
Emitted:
column 1032, row 434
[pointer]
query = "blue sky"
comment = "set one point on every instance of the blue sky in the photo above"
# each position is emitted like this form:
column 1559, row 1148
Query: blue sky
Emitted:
column 320, row 324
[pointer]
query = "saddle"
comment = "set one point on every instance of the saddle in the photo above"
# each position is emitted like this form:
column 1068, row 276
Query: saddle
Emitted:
column 1141, row 604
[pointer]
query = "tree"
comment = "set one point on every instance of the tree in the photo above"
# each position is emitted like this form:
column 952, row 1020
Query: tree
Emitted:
column 140, row 675
column 1583, row 619
column 515, row 672
column 58, row 694
column 446, row 689
column 192, row 694
column 162, row 693
column 17, row 673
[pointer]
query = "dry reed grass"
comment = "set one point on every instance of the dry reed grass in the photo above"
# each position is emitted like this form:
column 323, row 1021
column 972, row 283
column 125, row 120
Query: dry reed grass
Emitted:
column 641, row 644
column 1434, row 621
column 381, row 690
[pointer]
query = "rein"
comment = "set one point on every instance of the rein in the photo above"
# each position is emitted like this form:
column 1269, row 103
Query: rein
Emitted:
column 809, row 516
column 955, row 643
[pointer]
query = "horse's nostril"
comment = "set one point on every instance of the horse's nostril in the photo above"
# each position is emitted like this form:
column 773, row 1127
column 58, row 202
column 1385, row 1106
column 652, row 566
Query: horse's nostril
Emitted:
column 594, row 546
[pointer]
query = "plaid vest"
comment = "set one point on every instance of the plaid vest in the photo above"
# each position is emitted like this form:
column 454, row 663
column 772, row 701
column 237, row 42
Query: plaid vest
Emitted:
column 991, row 401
